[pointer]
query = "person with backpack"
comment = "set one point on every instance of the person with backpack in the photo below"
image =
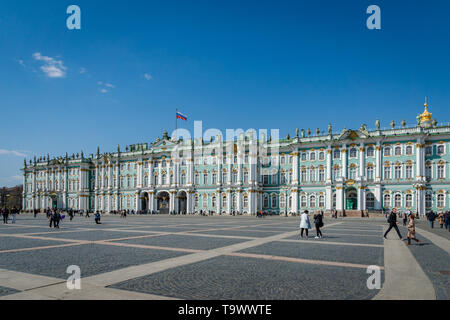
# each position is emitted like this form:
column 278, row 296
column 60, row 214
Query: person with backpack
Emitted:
column 318, row 221
column 392, row 220
column 305, row 225
column 97, row 217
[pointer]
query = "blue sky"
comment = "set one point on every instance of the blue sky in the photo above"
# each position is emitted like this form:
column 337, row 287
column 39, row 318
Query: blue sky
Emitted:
column 232, row 64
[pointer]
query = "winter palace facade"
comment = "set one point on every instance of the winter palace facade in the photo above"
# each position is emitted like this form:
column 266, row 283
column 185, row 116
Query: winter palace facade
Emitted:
column 405, row 167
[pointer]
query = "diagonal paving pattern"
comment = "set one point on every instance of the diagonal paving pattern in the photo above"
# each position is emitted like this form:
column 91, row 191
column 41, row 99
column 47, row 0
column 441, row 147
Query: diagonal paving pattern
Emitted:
column 404, row 278
column 399, row 265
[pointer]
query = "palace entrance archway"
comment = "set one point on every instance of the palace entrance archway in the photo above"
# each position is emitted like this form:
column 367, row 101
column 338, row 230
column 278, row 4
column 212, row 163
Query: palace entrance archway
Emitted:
column 182, row 202
column 162, row 202
column 351, row 199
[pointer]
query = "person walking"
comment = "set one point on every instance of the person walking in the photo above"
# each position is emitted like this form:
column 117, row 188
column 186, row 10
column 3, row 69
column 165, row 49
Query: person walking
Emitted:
column 405, row 218
column 318, row 221
column 412, row 230
column 447, row 220
column 304, row 223
column 57, row 219
column 51, row 218
column 392, row 220
column 97, row 218
column 5, row 213
column 13, row 214
column 441, row 219
column 431, row 217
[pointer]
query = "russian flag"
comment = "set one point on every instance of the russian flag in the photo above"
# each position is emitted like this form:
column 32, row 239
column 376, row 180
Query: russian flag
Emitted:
column 181, row 116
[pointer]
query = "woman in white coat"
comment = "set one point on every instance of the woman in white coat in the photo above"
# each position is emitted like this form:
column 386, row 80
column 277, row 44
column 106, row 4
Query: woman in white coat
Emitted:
column 304, row 223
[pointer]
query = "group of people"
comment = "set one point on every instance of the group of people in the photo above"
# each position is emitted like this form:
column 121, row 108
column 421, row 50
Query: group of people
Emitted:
column 6, row 212
column 392, row 220
column 305, row 223
column 442, row 217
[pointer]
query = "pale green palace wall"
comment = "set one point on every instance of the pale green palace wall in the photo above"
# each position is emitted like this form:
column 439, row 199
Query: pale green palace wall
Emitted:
column 131, row 180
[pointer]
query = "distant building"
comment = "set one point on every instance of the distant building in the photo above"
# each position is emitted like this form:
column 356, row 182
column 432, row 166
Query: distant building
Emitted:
column 406, row 168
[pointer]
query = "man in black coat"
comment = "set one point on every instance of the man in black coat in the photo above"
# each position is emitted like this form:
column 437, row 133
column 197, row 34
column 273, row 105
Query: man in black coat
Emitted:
column 393, row 223
column 5, row 213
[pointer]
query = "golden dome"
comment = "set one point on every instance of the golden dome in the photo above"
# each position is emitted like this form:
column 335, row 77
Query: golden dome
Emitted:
column 425, row 116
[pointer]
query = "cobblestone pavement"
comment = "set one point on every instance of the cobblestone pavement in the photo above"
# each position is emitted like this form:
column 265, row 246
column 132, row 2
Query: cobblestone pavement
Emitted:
column 192, row 257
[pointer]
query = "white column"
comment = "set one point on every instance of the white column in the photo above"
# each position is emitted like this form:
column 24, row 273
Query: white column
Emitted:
column 378, row 162
column 362, row 161
column 420, row 160
column 339, row 198
column 344, row 161
column 150, row 173
column 328, row 198
column 294, row 194
column 294, row 168
column 378, row 197
column 329, row 168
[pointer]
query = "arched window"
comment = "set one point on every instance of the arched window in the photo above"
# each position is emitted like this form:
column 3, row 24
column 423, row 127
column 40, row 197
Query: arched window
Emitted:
column 312, row 156
column 370, row 200
column 197, row 178
column 387, row 201
column 370, row 173
column 353, row 153
column 234, row 176
column 321, row 201
column 224, row 200
column 282, row 201
column 387, row 152
column 274, row 200
column 205, row 200
column 337, row 154
column 265, row 201
column 398, row 151
column 213, row 201
column 428, row 201
column 440, row 171
column 303, row 201
column 440, row 200
column 183, row 178
column 224, row 176
column 321, row 155
column 312, row 201
column 196, row 201
column 245, row 200
column 282, row 178
column 398, row 200
column 408, row 202
column 370, row 151
column 409, row 150
column 398, row 172
column 163, row 179
column 334, row 200
column 440, row 150
column 205, row 177
column 245, row 176
column 234, row 201
column 352, row 172
column 428, row 170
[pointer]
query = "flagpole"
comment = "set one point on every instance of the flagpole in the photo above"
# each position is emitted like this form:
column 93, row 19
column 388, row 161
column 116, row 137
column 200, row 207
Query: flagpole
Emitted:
column 176, row 113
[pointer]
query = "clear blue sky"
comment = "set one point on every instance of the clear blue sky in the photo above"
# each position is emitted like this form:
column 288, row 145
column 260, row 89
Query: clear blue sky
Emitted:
column 232, row 64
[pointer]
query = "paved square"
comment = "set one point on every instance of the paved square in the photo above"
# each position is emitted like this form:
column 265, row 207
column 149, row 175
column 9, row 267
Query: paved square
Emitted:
column 218, row 257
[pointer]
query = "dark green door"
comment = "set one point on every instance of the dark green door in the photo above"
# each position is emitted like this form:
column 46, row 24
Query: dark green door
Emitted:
column 351, row 204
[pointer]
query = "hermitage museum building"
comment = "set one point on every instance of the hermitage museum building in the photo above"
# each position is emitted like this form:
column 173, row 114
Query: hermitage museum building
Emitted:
column 402, row 167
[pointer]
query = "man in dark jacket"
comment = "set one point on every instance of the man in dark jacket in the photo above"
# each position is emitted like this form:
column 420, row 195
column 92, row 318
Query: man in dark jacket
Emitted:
column 393, row 223
column 5, row 213
column 431, row 216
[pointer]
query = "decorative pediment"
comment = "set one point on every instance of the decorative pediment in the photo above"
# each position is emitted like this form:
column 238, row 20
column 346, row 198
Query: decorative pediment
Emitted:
column 353, row 134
